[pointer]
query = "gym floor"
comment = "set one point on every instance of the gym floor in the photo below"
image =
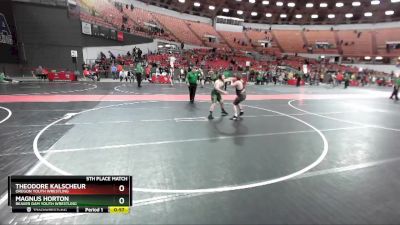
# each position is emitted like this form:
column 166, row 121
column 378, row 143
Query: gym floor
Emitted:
column 299, row 155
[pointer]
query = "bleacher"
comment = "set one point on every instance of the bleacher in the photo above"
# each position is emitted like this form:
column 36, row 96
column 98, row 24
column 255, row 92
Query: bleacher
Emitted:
column 314, row 36
column 290, row 40
column 237, row 40
column 354, row 44
column 179, row 28
column 387, row 35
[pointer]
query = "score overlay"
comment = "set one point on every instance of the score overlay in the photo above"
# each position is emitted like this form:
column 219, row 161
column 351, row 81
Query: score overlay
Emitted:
column 62, row 194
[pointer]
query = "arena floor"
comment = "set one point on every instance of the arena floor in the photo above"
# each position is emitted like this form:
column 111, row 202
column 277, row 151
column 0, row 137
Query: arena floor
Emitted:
column 299, row 156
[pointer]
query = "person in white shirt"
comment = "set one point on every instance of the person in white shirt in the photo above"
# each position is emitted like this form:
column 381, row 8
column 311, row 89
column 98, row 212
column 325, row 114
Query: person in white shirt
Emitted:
column 172, row 60
column 121, row 75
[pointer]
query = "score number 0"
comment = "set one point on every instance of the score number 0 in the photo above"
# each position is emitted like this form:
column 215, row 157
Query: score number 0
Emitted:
column 121, row 200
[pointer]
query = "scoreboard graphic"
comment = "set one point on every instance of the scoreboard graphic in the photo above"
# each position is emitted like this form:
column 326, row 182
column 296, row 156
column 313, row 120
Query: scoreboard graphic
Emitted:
column 75, row 194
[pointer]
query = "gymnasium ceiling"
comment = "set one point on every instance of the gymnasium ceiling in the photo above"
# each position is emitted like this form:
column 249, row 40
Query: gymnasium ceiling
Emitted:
column 272, row 11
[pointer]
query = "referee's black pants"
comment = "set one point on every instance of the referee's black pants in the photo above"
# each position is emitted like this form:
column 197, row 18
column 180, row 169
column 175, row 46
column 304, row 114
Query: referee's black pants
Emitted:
column 139, row 79
column 395, row 93
column 192, row 91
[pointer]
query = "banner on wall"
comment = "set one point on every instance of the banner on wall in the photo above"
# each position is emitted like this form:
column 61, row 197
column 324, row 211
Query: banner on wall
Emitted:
column 86, row 28
column 120, row 36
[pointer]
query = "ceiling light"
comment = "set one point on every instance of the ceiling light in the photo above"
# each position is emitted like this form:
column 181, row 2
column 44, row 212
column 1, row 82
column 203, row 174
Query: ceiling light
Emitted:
column 314, row 16
column 268, row 15
column 349, row 15
column 323, row 5
column 309, row 5
column 339, row 4
column 389, row 12
column 239, row 12
column 211, row 7
column 355, row 4
column 225, row 10
column 197, row 4
column 181, row 1
column 395, row 1
column 331, row 16
column 375, row 2
column 252, row 1
column 254, row 13
column 291, row 4
column 283, row 15
column 279, row 3
column 379, row 58
column 265, row 2
column 368, row 14
column 367, row 57
column 299, row 16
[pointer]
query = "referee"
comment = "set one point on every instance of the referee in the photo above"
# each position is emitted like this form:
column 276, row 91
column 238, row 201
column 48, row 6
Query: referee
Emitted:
column 191, row 81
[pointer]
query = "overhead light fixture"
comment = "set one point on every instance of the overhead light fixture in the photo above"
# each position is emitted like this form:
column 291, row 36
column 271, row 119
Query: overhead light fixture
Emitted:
column 254, row 13
column 367, row 57
column 252, row 1
column 356, row 4
column 379, row 58
column 268, row 15
column 265, row 2
column 279, row 3
column 291, row 4
column 323, row 5
column 375, row 2
column 349, row 15
column 239, row 12
column 160, row 46
column 309, row 5
column 339, row 4
column 211, row 7
column 283, row 15
column 314, row 16
column 394, row 1
column 398, row 58
column 331, row 16
column 181, row 1
column 167, row 45
column 299, row 16
column 197, row 4
column 389, row 12
column 368, row 14
column 225, row 10
column 322, row 57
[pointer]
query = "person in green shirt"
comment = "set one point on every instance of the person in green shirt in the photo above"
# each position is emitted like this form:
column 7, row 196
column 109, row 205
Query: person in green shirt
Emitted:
column 216, row 96
column 396, row 86
column 4, row 78
column 191, row 81
column 139, row 72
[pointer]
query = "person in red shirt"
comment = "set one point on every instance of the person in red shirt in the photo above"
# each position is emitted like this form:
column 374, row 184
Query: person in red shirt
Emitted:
column 340, row 77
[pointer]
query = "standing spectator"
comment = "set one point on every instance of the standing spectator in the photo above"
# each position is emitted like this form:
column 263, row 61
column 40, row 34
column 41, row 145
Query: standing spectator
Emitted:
column 396, row 86
column 114, row 71
column 139, row 72
column 191, row 80
column 298, row 80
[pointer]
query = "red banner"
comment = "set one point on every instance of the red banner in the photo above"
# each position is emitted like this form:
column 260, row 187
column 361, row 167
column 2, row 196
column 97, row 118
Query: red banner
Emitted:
column 120, row 36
